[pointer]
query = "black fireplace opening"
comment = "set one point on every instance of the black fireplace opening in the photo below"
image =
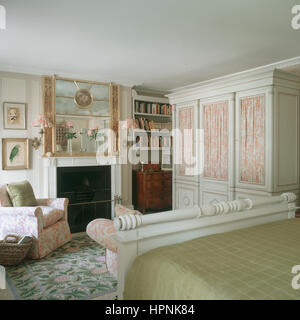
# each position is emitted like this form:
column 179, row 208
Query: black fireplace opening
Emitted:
column 89, row 192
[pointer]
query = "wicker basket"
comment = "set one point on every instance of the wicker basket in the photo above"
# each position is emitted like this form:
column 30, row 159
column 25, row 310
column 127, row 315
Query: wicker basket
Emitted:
column 12, row 253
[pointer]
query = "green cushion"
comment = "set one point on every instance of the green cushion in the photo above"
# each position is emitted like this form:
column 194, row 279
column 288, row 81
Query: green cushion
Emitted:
column 21, row 194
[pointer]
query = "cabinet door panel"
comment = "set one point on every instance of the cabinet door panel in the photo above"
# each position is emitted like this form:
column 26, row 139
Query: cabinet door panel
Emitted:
column 185, row 151
column 255, row 139
column 252, row 139
column 210, row 197
column 286, row 135
column 216, row 140
column 186, row 195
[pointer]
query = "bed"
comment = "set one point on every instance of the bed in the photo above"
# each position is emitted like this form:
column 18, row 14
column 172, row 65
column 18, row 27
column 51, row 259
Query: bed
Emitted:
column 242, row 249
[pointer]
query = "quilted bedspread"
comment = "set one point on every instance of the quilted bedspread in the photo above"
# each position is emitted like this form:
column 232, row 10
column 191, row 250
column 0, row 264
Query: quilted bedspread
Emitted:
column 251, row 263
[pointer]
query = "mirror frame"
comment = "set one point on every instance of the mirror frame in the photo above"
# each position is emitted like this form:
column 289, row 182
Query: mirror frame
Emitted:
column 49, row 110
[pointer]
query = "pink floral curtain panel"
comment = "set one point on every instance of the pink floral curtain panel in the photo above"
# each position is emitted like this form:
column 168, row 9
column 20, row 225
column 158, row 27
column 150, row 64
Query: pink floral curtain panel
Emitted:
column 186, row 121
column 216, row 140
column 252, row 139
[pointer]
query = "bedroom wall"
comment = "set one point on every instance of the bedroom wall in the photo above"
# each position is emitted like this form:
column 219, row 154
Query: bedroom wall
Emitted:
column 16, row 87
column 22, row 88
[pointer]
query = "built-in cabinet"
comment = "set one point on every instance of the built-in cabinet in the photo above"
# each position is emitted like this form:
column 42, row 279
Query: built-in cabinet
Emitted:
column 151, row 139
column 244, row 139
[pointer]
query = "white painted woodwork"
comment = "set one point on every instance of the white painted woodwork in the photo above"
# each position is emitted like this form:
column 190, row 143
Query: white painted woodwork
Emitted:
column 24, row 89
column 176, row 110
column 282, row 134
column 268, row 104
column 286, row 139
column 139, row 234
column 213, row 190
column 186, row 195
column 211, row 197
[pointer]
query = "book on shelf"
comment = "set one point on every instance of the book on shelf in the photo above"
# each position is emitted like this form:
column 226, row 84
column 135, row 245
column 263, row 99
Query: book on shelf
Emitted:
column 146, row 124
column 153, row 108
column 155, row 141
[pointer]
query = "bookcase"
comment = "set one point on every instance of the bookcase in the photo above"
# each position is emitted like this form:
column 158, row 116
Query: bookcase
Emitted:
column 152, row 125
column 152, row 142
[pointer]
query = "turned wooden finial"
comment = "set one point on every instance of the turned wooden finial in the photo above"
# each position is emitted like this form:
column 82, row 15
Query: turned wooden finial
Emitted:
column 127, row 221
column 226, row 207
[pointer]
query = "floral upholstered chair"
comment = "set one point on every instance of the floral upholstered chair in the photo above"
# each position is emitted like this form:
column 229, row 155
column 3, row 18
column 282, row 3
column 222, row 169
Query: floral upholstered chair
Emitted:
column 47, row 223
column 101, row 230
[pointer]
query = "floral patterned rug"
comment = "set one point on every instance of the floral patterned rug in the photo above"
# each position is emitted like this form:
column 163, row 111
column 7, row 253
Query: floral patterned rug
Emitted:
column 75, row 271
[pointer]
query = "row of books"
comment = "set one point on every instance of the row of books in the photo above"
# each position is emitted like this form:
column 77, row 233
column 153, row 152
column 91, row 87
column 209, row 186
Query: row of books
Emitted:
column 153, row 108
column 153, row 141
column 145, row 124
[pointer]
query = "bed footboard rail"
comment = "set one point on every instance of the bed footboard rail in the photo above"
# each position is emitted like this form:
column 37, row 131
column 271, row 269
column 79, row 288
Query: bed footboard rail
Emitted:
column 138, row 234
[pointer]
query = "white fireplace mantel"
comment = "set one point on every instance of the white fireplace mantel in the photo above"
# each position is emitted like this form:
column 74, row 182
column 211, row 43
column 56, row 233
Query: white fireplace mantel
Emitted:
column 51, row 163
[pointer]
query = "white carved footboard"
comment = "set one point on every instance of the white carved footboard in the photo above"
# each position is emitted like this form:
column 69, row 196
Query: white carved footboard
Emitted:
column 139, row 234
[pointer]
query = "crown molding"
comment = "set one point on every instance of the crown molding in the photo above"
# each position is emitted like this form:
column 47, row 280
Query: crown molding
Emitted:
column 261, row 76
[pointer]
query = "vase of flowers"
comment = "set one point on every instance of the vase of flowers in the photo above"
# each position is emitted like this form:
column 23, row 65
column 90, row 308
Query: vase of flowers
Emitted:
column 94, row 134
column 70, row 134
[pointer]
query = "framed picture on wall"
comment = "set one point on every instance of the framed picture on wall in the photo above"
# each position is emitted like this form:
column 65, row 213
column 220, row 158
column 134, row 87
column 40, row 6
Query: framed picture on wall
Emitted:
column 14, row 115
column 15, row 153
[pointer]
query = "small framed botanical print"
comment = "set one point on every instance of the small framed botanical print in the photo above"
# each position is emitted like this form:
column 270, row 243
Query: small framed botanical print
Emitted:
column 15, row 154
column 14, row 115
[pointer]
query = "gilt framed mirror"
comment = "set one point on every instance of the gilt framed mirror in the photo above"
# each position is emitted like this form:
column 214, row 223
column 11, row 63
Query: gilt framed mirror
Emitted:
column 81, row 111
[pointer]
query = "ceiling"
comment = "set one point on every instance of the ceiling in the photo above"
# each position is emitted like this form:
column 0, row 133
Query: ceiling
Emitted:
column 160, row 44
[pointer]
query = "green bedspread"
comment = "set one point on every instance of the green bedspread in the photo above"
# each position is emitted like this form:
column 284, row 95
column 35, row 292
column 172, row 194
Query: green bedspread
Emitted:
column 251, row 263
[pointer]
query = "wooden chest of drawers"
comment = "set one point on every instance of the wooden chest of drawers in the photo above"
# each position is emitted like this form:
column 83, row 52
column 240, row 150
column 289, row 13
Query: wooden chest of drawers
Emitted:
column 152, row 190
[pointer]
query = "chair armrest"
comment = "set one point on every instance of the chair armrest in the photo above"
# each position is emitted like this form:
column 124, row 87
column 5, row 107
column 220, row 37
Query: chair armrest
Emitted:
column 57, row 203
column 21, row 220
column 101, row 230
column 26, row 211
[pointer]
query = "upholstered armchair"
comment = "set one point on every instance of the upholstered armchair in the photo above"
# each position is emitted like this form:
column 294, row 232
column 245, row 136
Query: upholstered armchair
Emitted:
column 47, row 223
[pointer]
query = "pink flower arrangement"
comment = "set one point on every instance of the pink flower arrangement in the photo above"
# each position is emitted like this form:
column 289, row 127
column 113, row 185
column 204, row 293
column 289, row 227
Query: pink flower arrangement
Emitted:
column 70, row 134
column 69, row 124
column 92, row 132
